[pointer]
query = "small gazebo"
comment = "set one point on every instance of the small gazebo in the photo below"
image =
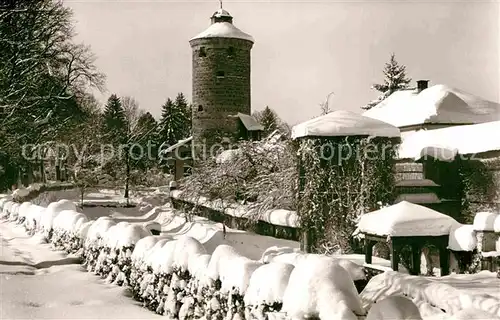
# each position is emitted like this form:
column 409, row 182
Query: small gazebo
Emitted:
column 409, row 224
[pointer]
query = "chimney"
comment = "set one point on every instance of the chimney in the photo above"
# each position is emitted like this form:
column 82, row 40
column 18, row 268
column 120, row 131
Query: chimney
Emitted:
column 422, row 85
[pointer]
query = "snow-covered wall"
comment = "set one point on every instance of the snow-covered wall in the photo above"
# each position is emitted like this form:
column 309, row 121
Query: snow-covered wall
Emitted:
column 282, row 224
column 35, row 190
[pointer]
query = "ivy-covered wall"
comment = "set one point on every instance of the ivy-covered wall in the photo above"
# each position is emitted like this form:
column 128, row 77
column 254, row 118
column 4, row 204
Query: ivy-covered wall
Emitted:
column 341, row 178
column 480, row 177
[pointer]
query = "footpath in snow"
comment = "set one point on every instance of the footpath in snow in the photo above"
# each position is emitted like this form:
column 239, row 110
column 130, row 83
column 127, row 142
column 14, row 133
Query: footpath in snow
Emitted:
column 38, row 283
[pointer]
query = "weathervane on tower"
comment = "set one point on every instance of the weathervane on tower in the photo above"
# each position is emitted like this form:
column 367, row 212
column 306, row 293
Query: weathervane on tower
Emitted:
column 220, row 2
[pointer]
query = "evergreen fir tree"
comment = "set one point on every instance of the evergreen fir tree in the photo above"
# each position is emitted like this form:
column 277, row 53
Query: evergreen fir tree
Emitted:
column 182, row 105
column 173, row 123
column 114, row 121
column 268, row 119
column 146, row 136
column 394, row 79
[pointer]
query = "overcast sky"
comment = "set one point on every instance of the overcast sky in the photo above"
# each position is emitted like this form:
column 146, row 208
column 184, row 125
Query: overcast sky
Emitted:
column 303, row 49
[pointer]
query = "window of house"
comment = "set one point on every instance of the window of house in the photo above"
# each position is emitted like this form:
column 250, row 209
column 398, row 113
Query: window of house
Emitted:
column 230, row 51
column 220, row 74
column 202, row 52
column 200, row 107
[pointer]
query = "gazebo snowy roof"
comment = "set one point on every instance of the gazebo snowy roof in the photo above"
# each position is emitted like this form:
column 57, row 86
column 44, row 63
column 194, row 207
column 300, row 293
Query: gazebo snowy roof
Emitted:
column 445, row 143
column 344, row 123
column 438, row 104
column 406, row 219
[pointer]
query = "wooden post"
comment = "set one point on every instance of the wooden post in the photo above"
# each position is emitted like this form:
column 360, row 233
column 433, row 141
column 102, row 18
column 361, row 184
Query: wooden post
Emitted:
column 415, row 259
column 368, row 250
column 394, row 255
column 444, row 260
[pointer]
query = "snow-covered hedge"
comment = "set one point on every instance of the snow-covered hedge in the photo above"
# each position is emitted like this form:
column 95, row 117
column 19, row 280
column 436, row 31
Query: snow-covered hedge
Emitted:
column 182, row 279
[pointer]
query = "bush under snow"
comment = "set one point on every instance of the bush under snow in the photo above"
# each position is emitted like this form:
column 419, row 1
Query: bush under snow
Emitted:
column 320, row 287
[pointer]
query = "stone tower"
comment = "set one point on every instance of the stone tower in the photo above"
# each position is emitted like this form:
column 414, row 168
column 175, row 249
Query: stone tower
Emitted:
column 221, row 80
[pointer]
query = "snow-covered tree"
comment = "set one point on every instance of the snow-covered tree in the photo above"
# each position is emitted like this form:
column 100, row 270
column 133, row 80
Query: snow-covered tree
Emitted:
column 268, row 119
column 181, row 103
column 394, row 79
column 114, row 120
column 43, row 73
column 173, row 122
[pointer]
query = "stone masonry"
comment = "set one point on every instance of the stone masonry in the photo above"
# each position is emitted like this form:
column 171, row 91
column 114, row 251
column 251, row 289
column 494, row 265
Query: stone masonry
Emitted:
column 221, row 87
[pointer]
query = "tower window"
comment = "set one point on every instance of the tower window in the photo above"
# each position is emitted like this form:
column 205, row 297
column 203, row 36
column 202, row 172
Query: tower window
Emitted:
column 200, row 107
column 202, row 52
column 230, row 51
column 220, row 74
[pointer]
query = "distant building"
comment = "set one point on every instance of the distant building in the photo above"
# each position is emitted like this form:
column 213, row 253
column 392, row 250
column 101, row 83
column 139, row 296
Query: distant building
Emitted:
column 448, row 135
column 433, row 107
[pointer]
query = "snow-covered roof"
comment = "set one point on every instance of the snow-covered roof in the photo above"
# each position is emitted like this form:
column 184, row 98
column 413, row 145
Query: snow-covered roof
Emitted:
column 437, row 104
column 445, row 143
column 224, row 30
column 249, row 122
column 344, row 123
column 177, row 145
column 406, row 219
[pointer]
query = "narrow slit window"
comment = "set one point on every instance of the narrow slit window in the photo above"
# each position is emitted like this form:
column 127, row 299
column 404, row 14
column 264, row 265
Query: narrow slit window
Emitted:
column 202, row 52
column 220, row 74
column 230, row 51
column 200, row 108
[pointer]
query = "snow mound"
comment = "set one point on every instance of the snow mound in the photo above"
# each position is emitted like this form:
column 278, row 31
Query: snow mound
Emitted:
column 65, row 220
column 3, row 201
column 111, row 237
column 356, row 271
column 151, row 254
column 236, row 272
column 394, row 307
column 198, row 264
column 34, row 216
column 143, row 245
column 84, row 229
column 221, row 256
column 275, row 251
column 320, row 287
column 24, row 209
column 14, row 211
column 185, row 248
column 163, row 258
column 53, row 210
column 126, row 235
column 406, row 219
column 268, row 283
column 485, row 221
column 99, row 227
column 462, row 238
column 7, row 208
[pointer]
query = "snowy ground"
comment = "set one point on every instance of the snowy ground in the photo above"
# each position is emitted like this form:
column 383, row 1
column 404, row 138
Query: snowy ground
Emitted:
column 38, row 283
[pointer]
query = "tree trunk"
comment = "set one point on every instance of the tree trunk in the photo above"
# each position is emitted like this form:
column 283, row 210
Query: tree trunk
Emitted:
column 29, row 174
column 42, row 171
column 127, row 176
